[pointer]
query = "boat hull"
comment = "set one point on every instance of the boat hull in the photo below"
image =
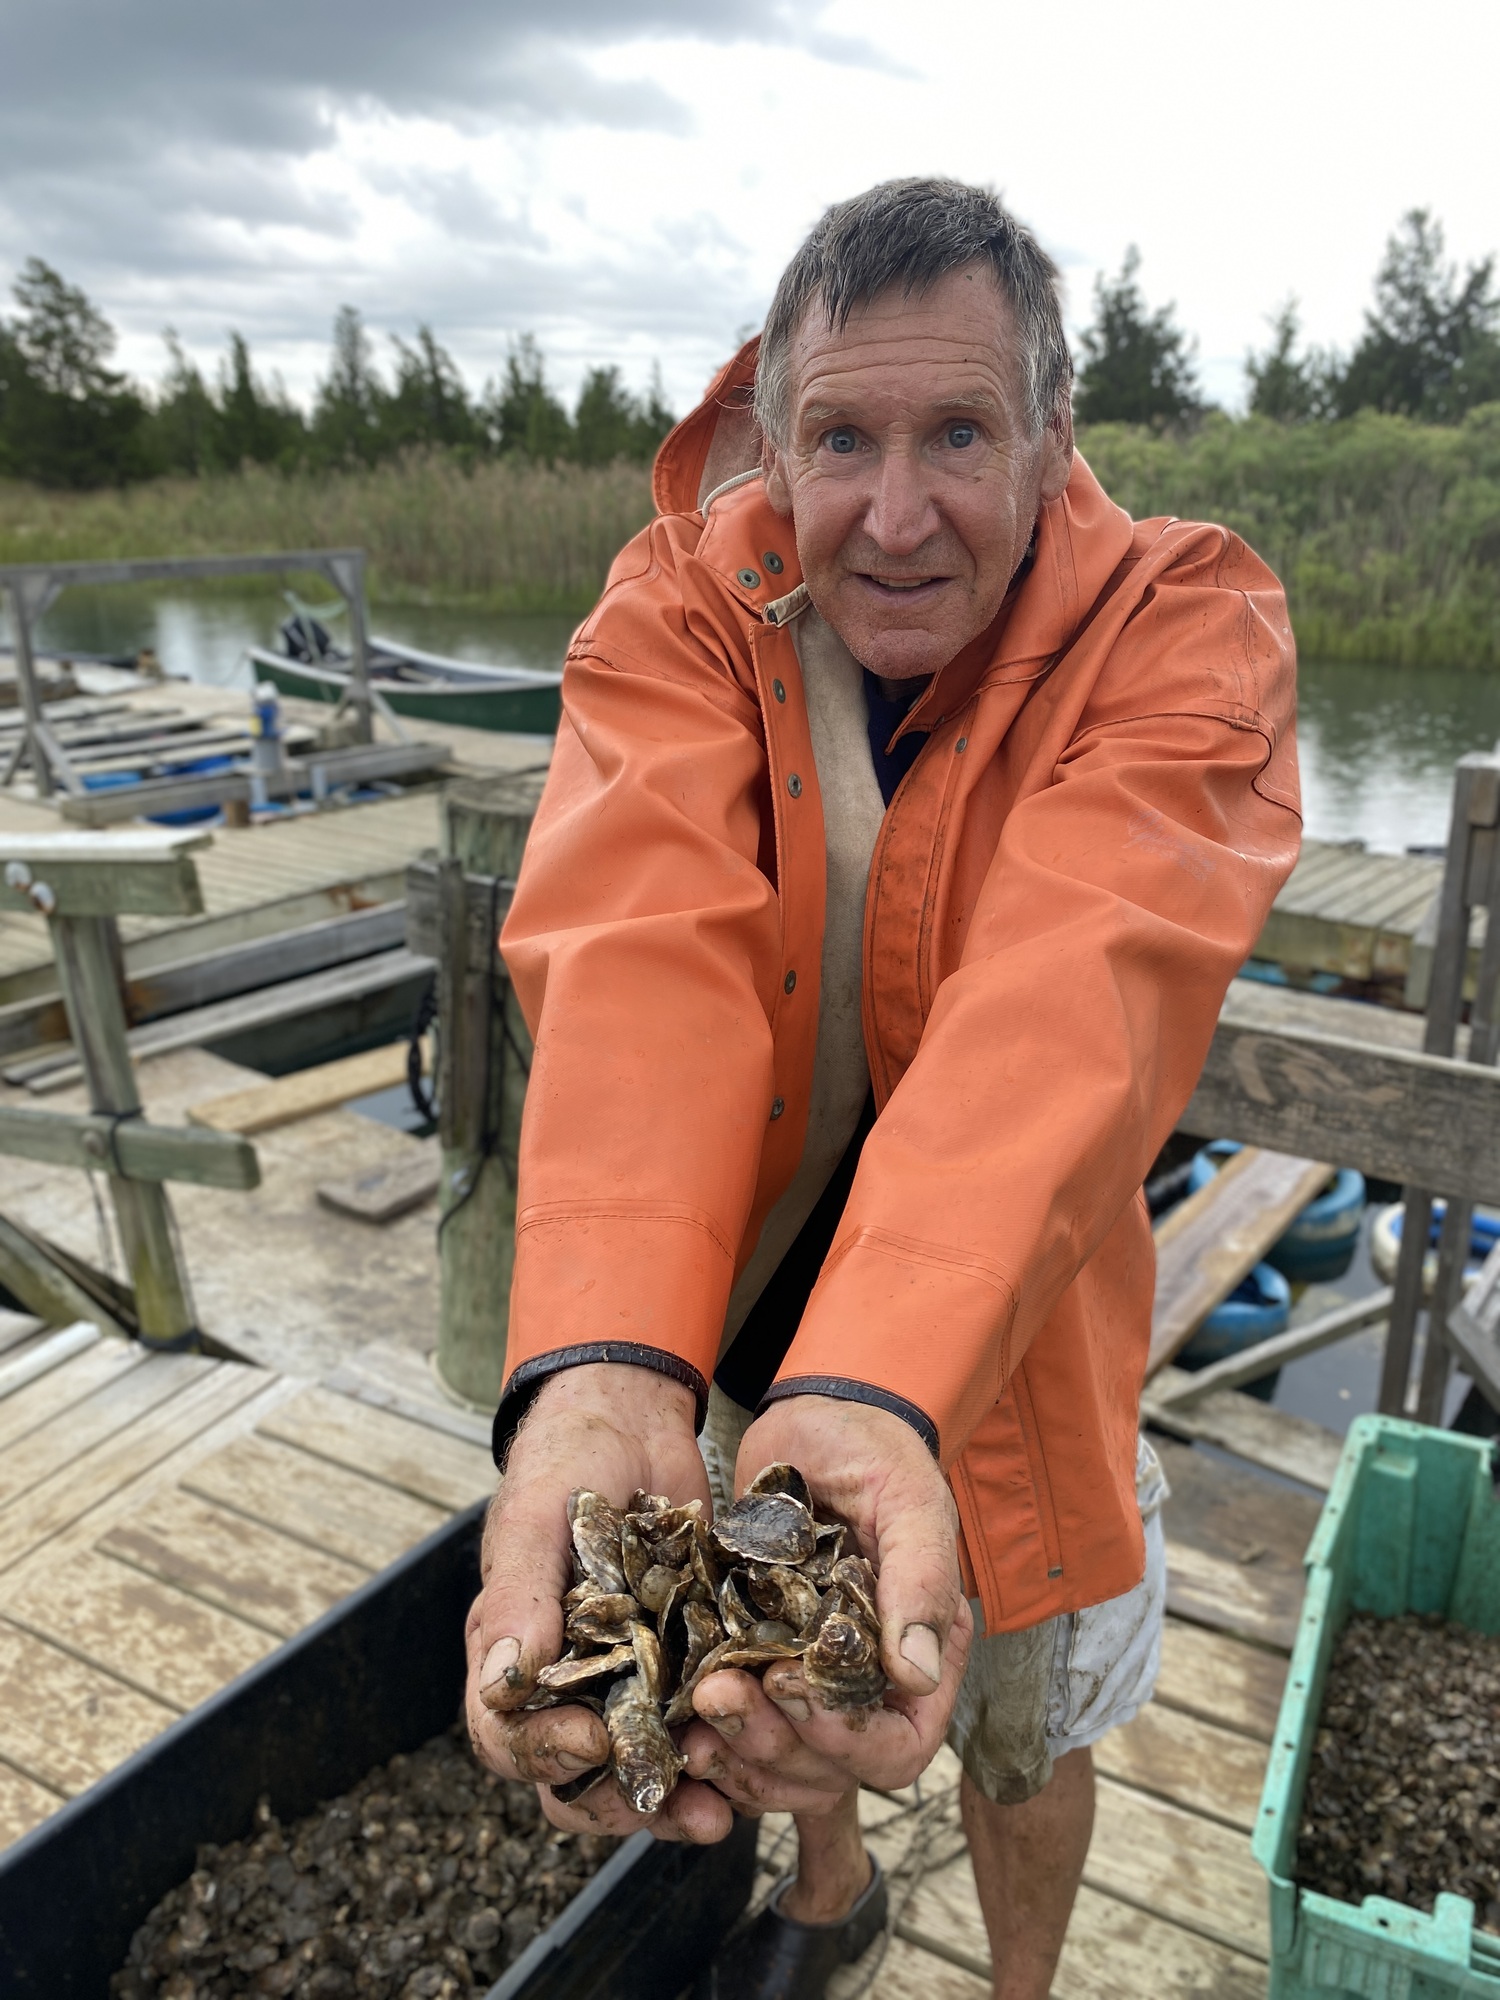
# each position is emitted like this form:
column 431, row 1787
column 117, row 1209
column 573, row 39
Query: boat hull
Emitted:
column 526, row 710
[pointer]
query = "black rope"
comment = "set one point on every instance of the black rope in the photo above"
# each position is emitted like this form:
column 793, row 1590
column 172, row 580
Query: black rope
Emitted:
column 424, row 1100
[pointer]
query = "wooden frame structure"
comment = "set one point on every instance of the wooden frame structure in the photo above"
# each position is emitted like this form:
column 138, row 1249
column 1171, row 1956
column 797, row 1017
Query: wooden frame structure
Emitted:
column 33, row 587
column 82, row 883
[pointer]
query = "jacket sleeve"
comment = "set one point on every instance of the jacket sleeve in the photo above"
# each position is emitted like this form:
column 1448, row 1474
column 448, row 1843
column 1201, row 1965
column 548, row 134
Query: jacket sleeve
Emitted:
column 1123, row 897
column 643, row 942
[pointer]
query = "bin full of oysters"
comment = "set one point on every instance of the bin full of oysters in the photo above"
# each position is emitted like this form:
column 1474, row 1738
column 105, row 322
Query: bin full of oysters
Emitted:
column 661, row 1599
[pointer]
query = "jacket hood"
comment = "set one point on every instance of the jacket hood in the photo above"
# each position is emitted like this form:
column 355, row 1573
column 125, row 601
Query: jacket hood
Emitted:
column 722, row 429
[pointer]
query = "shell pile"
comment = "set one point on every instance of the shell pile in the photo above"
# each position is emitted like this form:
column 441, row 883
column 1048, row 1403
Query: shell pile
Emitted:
column 661, row 1599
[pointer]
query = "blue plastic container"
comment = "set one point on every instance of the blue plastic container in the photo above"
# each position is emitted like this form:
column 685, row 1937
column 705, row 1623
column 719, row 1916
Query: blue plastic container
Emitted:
column 1320, row 1244
column 1258, row 1307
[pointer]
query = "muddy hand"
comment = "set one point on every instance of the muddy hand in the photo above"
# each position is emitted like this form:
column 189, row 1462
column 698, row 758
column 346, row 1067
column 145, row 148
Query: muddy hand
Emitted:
column 873, row 1471
column 613, row 1429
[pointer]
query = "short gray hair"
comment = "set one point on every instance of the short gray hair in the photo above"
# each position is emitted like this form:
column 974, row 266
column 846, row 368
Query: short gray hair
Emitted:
column 911, row 233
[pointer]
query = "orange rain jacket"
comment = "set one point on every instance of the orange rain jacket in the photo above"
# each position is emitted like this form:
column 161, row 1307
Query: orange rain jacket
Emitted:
column 1078, row 862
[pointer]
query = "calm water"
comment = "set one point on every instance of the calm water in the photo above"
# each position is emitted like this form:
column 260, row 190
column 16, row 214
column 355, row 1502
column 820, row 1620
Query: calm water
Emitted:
column 1378, row 743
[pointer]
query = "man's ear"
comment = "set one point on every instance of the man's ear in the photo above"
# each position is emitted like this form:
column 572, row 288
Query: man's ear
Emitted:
column 778, row 482
column 1057, row 447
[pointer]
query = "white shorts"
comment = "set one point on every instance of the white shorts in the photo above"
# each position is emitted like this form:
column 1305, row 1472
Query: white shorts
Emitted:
column 1032, row 1696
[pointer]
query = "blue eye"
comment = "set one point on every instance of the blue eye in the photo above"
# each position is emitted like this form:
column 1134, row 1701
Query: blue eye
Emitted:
column 962, row 435
column 841, row 441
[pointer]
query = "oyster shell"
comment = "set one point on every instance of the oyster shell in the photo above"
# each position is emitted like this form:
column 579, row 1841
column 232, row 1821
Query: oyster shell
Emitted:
column 643, row 1757
column 662, row 1599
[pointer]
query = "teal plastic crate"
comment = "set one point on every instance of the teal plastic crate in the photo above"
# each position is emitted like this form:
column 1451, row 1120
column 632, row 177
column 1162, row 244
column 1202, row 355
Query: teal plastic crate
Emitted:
column 1411, row 1524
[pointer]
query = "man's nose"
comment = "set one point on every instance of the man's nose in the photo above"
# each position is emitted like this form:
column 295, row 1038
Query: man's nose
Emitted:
column 901, row 514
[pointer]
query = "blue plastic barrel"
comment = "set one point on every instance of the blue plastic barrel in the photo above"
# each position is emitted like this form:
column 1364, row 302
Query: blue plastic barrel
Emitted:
column 1258, row 1307
column 1320, row 1244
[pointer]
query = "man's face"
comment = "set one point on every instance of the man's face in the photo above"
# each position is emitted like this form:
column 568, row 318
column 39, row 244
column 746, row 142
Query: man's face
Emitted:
column 910, row 470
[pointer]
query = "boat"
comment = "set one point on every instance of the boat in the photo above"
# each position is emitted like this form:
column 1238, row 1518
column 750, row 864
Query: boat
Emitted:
column 311, row 667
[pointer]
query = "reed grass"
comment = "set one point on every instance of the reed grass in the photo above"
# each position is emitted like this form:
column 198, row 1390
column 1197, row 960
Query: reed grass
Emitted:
column 1386, row 532
column 501, row 535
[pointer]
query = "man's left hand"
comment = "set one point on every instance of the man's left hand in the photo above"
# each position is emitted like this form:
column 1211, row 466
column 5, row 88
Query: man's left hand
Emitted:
column 776, row 1747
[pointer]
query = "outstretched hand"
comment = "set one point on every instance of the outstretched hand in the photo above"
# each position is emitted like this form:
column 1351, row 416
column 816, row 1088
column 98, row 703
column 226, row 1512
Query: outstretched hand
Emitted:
column 615, row 1429
column 775, row 1746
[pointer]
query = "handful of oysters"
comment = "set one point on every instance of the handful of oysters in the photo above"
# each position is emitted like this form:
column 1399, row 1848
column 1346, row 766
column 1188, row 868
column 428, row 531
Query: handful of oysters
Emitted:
column 661, row 1599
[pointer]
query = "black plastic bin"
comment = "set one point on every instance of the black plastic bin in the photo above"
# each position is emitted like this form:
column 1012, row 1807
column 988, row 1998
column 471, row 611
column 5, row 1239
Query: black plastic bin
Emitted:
column 380, row 1673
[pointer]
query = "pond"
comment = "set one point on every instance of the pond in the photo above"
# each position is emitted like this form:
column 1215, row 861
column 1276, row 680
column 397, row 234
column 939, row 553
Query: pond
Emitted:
column 1378, row 743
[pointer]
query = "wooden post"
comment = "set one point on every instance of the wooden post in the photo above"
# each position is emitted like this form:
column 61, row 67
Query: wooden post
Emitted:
column 31, row 706
column 484, row 1057
column 90, row 970
column 1471, row 880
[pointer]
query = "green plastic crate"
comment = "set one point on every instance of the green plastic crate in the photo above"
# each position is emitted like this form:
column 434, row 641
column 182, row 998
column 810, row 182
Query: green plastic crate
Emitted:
column 1411, row 1524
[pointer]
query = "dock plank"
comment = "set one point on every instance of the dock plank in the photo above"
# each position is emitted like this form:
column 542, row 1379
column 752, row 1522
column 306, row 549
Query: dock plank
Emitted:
column 1252, row 1430
column 76, row 1430
column 261, row 1576
column 427, row 1464
column 1112, row 1948
column 1221, row 1679
column 143, row 1631
column 364, row 1520
column 908, row 1972
column 61, row 1388
column 63, row 1722
column 1176, row 1865
column 1200, row 1765
column 23, row 1804
column 107, row 1472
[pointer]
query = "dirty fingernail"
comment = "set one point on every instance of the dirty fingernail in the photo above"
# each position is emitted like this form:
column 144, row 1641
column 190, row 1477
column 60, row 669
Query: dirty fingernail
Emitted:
column 793, row 1707
column 568, row 1761
column 499, row 1662
column 920, row 1649
column 727, row 1725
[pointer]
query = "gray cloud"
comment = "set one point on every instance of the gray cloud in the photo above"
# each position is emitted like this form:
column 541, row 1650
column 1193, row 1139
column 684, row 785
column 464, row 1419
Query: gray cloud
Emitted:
column 154, row 154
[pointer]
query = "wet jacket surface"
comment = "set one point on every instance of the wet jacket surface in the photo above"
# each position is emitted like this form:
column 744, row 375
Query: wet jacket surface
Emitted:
column 1076, row 865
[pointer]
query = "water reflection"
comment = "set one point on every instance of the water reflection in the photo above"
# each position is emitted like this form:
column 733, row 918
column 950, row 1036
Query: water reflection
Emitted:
column 1378, row 743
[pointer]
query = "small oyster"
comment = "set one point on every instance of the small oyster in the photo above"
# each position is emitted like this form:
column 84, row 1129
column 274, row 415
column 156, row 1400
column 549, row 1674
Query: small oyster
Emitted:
column 842, row 1665
column 596, row 1539
column 643, row 1757
column 767, row 1528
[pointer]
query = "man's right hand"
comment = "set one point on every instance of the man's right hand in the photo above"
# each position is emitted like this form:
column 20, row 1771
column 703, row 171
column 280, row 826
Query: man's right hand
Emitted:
column 615, row 1429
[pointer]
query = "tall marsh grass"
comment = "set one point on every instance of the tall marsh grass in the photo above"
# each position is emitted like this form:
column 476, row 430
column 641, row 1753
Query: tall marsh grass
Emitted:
column 1386, row 532
column 507, row 536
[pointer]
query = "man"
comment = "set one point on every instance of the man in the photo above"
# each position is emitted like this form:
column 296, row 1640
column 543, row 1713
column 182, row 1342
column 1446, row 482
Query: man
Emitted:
column 911, row 811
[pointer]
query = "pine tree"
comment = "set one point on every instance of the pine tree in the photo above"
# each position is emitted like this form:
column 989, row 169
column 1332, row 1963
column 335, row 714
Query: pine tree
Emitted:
column 1289, row 387
column 1138, row 365
column 1431, row 344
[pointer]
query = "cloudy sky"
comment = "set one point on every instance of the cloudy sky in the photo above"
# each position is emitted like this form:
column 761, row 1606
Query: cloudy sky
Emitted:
column 626, row 178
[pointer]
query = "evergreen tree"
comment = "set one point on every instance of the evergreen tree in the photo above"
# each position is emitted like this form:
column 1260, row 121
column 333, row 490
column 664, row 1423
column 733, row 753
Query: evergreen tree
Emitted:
column 1431, row 346
column 349, row 413
column 184, row 423
column 66, row 417
column 1138, row 365
column 654, row 418
column 429, row 405
column 257, row 424
column 523, row 414
column 1289, row 387
column 604, row 424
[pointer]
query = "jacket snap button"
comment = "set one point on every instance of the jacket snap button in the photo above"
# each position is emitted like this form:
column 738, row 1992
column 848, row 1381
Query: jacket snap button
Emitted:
column 778, row 690
column 794, row 785
column 962, row 743
column 773, row 562
column 778, row 1105
column 789, row 983
column 749, row 578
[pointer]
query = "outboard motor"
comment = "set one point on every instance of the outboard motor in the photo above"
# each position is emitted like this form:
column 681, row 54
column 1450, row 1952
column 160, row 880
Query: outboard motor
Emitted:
column 303, row 638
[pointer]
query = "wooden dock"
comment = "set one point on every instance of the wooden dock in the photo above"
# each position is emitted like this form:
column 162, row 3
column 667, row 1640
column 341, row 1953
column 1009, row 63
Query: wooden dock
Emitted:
column 1355, row 917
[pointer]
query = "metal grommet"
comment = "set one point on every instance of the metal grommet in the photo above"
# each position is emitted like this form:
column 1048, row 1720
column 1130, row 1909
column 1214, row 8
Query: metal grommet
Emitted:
column 794, row 785
column 789, row 984
column 1054, row 1572
column 962, row 743
column 773, row 562
column 778, row 1105
column 778, row 690
column 750, row 578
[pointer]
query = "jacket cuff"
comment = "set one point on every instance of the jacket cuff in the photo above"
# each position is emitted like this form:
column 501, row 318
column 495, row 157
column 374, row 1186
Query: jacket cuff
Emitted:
column 530, row 1375
column 856, row 1392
